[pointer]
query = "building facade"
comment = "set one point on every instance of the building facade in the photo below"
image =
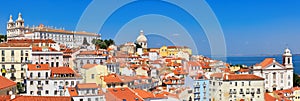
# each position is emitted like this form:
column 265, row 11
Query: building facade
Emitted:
column 17, row 30
column 277, row 76
column 13, row 60
column 236, row 87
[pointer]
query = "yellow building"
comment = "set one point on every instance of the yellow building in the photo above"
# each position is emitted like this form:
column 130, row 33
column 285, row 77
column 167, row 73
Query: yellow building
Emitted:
column 91, row 73
column 234, row 68
column 170, row 51
column 163, row 51
column 14, row 56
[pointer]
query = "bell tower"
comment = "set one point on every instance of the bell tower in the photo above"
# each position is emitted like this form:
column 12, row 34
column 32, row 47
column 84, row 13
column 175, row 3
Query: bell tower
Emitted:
column 287, row 58
column 20, row 29
column 10, row 27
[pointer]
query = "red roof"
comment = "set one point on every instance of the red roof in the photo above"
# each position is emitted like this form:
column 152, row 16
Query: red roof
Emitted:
column 267, row 62
column 144, row 94
column 179, row 71
column 30, row 41
column 125, row 94
column 5, row 83
column 42, row 98
column 40, row 49
column 14, row 45
column 72, row 91
column 194, row 63
column 242, row 77
column 61, row 70
column 87, row 85
column 32, row 67
column 112, row 78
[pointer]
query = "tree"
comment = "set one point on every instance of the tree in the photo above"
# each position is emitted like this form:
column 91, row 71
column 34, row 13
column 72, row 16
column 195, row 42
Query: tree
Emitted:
column 103, row 44
column 296, row 80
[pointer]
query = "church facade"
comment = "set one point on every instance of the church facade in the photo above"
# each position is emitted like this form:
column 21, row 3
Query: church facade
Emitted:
column 277, row 76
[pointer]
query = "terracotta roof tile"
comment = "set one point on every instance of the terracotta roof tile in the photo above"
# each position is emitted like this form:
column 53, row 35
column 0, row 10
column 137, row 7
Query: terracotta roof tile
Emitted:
column 112, row 78
column 42, row 98
column 242, row 77
column 72, row 91
column 32, row 67
column 31, row 41
column 87, row 85
column 40, row 49
column 6, row 83
column 125, row 94
column 14, row 45
column 144, row 94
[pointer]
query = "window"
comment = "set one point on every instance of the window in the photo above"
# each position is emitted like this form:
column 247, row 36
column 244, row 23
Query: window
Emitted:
column 89, row 99
column 93, row 91
column 31, row 92
column 96, row 99
column 31, row 82
column 12, row 53
column 72, row 83
column 258, row 91
column 3, row 52
column 57, row 63
column 57, row 57
column 55, row 92
column 81, row 100
column 242, row 83
column 55, row 83
column 93, row 76
column 46, row 82
column 39, row 74
column 46, row 75
column 47, row 91
column 39, row 82
column 3, row 59
column 31, row 75
column 235, row 83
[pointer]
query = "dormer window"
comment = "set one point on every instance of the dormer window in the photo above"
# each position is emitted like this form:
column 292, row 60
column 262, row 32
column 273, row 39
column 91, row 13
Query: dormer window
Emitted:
column 273, row 65
column 38, row 66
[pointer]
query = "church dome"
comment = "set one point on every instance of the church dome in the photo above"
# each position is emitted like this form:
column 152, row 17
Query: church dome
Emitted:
column 142, row 37
column 287, row 52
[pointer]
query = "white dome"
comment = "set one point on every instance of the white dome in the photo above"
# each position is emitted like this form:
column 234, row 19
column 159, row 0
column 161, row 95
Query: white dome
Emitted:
column 142, row 37
column 287, row 51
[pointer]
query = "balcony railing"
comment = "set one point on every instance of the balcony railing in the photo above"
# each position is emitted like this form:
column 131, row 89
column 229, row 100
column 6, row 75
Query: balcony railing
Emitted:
column 13, row 78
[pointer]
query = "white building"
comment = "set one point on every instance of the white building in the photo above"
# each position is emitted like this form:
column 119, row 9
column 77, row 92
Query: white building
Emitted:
column 142, row 39
column 86, row 92
column 236, row 87
column 17, row 30
column 45, row 81
column 277, row 76
column 47, row 55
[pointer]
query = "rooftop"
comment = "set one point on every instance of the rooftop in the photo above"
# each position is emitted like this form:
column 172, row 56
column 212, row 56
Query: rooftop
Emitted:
column 33, row 67
column 125, row 94
column 5, row 83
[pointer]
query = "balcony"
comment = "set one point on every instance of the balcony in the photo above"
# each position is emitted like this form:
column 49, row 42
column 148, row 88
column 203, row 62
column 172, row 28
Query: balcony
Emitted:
column 13, row 78
column 12, row 70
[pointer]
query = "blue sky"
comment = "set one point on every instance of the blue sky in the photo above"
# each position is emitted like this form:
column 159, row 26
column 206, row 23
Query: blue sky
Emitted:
column 251, row 27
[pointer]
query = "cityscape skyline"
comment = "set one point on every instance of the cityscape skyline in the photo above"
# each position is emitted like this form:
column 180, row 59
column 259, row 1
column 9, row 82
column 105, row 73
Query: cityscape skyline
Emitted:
column 247, row 30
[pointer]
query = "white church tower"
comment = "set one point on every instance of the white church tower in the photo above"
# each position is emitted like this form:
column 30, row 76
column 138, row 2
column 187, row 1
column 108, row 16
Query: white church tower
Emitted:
column 142, row 40
column 287, row 60
column 15, row 29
